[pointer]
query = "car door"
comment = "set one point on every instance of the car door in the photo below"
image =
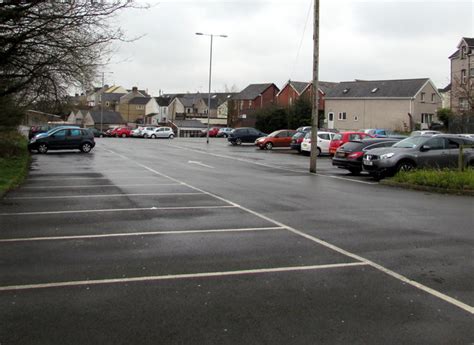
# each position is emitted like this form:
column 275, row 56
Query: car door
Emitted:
column 252, row 135
column 57, row 139
column 452, row 148
column 323, row 142
column 437, row 155
column 74, row 138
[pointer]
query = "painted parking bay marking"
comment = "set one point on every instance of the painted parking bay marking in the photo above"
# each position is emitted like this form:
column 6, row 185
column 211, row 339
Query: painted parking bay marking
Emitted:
column 201, row 164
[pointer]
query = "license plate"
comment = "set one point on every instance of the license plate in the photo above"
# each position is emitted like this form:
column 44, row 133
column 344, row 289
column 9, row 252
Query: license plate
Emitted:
column 368, row 162
column 340, row 154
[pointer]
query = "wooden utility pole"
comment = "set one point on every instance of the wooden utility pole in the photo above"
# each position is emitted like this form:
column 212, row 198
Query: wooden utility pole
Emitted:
column 315, row 98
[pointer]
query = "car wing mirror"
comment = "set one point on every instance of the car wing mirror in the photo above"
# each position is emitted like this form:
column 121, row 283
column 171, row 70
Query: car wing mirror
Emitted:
column 425, row 148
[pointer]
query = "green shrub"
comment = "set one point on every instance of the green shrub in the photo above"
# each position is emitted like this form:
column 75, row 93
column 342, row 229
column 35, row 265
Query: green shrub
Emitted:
column 446, row 179
column 14, row 159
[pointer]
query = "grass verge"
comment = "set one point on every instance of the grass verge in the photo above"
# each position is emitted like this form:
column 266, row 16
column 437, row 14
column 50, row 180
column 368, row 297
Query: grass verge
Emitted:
column 437, row 180
column 14, row 160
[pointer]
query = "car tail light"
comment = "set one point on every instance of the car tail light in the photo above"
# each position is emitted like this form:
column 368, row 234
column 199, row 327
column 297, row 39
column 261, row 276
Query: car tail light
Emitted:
column 355, row 155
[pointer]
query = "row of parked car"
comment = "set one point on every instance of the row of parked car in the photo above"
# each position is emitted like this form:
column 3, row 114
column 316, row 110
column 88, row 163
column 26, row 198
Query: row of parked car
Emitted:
column 378, row 152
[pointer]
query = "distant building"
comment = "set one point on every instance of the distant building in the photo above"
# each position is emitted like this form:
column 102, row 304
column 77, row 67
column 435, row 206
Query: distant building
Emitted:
column 391, row 104
column 462, row 77
column 249, row 100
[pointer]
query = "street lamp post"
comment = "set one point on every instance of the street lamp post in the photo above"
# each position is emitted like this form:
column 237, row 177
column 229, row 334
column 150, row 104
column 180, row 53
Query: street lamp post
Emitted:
column 210, row 78
column 101, row 102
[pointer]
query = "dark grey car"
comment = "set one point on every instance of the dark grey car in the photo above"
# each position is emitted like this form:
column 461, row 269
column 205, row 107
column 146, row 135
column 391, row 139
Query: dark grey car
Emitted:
column 438, row 151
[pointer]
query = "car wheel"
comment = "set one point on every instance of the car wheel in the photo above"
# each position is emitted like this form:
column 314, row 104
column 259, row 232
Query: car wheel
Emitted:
column 319, row 152
column 225, row 135
column 405, row 165
column 42, row 148
column 238, row 141
column 124, row 135
column 171, row 136
column 101, row 136
column 153, row 136
column 86, row 147
column 355, row 171
column 268, row 146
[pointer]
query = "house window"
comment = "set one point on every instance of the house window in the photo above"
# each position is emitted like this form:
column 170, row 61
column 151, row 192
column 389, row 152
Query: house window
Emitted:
column 463, row 104
column 291, row 101
column 422, row 96
column 463, row 52
column 140, row 107
column 342, row 116
column 250, row 104
column 241, row 105
column 463, row 77
column 426, row 118
column 356, row 118
column 472, row 73
column 433, row 97
column 188, row 110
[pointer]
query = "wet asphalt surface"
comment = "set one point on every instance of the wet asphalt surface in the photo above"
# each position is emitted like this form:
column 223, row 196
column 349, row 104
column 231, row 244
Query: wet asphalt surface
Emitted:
column 179, row 242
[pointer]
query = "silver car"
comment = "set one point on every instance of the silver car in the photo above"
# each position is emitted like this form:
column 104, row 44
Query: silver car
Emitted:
column 159, row 132
column 438, row 151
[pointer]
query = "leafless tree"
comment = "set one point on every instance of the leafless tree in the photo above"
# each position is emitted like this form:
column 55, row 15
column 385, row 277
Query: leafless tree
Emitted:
column 47, row 47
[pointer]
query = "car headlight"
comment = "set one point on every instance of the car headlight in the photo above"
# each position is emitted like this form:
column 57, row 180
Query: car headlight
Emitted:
column 32, row 140
column 387, row 155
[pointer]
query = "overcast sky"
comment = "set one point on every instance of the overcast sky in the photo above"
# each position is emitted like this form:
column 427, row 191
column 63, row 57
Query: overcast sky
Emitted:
column 268, row 42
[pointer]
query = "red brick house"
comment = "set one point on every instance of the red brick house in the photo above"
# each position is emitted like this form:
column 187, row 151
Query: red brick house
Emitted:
column 294, row 90
column 250, row 99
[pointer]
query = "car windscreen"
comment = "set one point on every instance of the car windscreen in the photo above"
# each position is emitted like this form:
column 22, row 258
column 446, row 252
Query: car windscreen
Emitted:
column 273, row 134
column 298, row 135
column 338, row 136
column 411, row 142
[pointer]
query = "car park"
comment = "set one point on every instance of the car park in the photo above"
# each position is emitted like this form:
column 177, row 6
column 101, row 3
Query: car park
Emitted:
column 224, row 132
column 63, row 138
column 349, row 155
column 324, row 139
column 424, row 151
column 158, row 132
column 244, row 135
column 280, row 138
column 342, row 138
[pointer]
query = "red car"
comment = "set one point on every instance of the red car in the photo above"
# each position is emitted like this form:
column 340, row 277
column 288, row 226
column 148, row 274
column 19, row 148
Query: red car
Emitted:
column 342, row 138
column 121, row 132
column 212, row 132
column 280, row 138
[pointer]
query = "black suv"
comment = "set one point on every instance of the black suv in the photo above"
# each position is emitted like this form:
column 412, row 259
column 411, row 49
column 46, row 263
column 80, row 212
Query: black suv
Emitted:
column 63, row 138
column 244, row 135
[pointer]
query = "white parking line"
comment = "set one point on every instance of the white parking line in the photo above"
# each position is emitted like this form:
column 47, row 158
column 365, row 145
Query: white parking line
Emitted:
column 270, row 166
column 94, row 178
column 131, row 234
column 96, row 196
column 178, row 276
column 378, row 267
column 104, row 185
column 117, row 210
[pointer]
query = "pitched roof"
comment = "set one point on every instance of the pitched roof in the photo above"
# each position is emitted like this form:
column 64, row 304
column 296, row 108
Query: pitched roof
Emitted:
column 299, row 86
column 139, row 100
column 108, row 117
column 189, row 124
column 325, row 86
column 253, row 91
column 143, row 92
column 163, row 101
column 469, row 41
column 404, row 88
column 112, row 96
column 446, row 89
